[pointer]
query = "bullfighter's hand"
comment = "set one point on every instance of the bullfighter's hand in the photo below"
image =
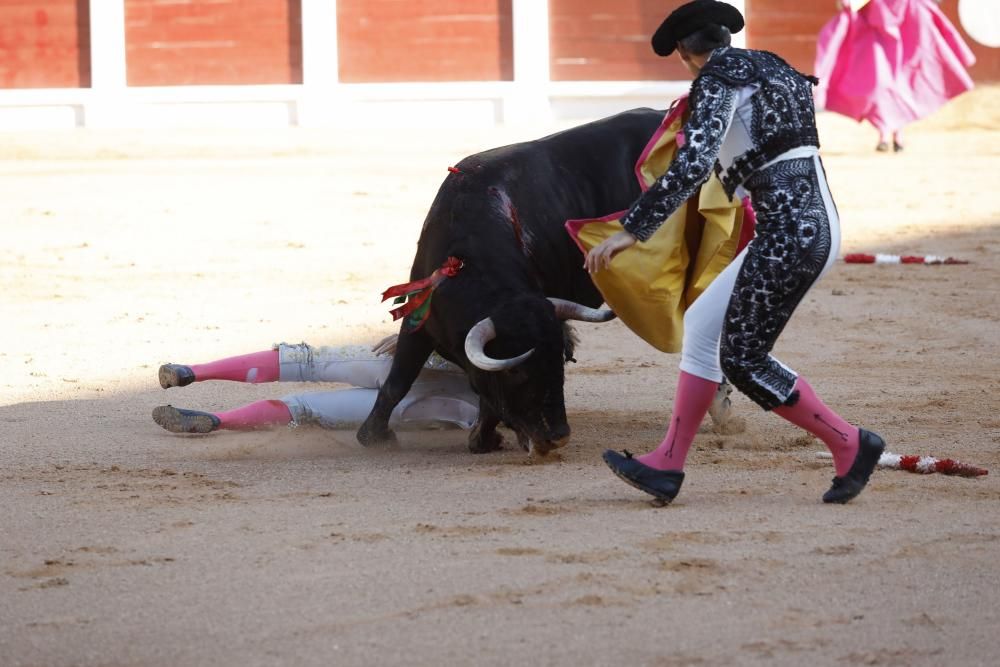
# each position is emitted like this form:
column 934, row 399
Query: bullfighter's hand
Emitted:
column 386, row 346
column 601, row 255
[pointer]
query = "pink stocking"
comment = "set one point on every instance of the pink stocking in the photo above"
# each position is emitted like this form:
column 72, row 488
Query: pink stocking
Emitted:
column 810, row 413
column 691, row 402
column 256, row 415
column 255, row 368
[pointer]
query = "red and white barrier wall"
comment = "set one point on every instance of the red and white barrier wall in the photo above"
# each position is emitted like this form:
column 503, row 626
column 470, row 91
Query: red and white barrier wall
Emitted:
column 154, row 63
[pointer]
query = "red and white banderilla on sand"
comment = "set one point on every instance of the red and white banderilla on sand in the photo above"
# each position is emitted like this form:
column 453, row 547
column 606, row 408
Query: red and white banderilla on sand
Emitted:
column 924, row 465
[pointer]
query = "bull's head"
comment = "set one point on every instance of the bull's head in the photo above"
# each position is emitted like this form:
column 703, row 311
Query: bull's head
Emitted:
column 521, row 375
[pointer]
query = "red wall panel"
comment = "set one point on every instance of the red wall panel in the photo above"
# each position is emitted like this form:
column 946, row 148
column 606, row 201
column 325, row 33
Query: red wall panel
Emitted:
column 44, row 44
column 183, row 42
column 609, row 40
column 788, row 28
column 425, row 40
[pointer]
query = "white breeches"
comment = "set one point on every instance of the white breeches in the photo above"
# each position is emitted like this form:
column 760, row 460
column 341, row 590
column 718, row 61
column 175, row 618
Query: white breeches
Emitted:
column 441, row 394
column 703, row 319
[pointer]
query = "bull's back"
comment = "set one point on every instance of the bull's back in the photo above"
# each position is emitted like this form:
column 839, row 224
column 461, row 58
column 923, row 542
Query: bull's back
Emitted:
column 607, row 149
column 582, row 172
column 590, row 168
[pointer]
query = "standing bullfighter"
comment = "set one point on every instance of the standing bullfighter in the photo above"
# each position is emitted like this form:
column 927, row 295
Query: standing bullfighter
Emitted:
column 752, row 121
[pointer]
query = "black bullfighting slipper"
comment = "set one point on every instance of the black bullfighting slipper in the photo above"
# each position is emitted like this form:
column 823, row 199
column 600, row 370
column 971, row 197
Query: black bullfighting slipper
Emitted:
column 179, row 420
column 662, row 484
column 870, row 448
column 175, row 375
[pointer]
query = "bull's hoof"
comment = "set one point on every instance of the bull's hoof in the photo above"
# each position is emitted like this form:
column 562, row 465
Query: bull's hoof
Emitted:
column 485, row 443
column 371, row 437
column 545, row 447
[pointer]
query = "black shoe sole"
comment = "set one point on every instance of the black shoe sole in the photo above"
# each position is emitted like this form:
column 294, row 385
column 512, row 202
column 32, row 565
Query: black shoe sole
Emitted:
column 661, row 498
column 657, row 498
column 178, row 421
column 169, row 377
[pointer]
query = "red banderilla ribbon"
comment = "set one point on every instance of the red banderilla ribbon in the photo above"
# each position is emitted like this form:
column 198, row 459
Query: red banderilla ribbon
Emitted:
column 415, row 296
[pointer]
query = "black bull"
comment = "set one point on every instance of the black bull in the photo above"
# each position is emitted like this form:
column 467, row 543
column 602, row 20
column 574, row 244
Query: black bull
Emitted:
column 502, row 213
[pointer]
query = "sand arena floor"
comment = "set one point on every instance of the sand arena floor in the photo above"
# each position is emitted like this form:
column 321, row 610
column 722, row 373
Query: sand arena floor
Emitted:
column 121, row 544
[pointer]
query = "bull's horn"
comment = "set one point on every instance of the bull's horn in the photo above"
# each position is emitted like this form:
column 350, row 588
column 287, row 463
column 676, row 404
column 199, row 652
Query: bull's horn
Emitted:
column 570, row 310
column 475, row 343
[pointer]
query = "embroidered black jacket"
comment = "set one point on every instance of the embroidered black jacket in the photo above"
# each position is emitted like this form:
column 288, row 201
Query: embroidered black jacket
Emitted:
column 783, row 118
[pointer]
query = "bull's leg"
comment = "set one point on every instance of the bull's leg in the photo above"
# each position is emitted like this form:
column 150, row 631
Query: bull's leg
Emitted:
column 411, row 354
column 484, row 437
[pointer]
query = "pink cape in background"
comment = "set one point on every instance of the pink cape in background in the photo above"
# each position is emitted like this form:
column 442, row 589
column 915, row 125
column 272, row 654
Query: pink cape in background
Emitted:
column 891, row 63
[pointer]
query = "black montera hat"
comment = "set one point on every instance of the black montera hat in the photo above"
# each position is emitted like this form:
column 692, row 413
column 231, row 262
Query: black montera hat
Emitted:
column 692, row 17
